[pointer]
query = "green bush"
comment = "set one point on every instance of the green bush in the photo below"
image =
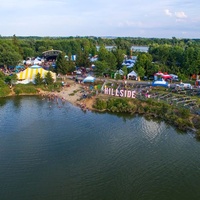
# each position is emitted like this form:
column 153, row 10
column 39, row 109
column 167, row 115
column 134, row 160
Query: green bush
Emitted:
column 182, row 124
column 17, row 91
column 100, row 104
column 4, row 91
column 183, row 113
column 26, row 89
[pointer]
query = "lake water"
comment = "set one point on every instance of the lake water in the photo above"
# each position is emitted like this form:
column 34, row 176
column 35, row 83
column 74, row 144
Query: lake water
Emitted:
column 59, row 152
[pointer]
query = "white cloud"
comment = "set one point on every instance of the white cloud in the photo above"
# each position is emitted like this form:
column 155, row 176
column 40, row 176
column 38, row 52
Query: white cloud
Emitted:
column 167, row 12
column 99, row 17
column 180, row 15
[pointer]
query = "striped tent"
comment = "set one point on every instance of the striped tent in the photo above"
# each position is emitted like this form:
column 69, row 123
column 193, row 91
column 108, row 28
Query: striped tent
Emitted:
column 28, row 75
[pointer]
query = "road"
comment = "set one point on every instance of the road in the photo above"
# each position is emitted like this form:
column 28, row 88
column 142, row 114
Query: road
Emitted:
column 147, row 83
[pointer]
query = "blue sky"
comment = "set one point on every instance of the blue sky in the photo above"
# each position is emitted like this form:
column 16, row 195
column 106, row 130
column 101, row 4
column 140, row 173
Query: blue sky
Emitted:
column 121, row 18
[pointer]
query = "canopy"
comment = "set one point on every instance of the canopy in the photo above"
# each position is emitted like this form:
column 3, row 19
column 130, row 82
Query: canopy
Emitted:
column 120, row 72
column 129, row 63
column 164, row 75
column 19, row 67
column 90, row 79
column 160, row 82
column 29, row 74
column 36, row 61
column 133, row 73
column 35, row 66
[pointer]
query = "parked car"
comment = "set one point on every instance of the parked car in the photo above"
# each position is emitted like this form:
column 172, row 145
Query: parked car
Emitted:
column 78, row 72
column 145, row 78
column 174, row 78
column 184, row 86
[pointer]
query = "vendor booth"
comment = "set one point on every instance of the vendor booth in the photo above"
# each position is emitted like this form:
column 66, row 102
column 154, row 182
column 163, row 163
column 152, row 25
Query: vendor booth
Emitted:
column 132, row 75
column 89, row 79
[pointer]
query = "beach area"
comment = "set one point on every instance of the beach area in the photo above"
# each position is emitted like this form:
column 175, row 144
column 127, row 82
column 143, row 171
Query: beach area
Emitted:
column 73, row 93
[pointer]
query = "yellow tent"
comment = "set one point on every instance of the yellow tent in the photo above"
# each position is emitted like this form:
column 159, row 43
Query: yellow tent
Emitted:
column 28, row 75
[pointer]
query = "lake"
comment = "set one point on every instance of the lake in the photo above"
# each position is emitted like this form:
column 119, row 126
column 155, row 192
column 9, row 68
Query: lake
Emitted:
column 54, row 151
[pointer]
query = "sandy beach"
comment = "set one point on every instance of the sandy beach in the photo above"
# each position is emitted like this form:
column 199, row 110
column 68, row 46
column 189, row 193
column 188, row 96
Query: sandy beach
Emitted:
column 73, row 93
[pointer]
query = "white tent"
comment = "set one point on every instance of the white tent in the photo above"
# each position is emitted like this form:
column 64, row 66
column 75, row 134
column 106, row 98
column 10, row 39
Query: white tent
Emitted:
column 89, row 78
column 132, row 74
column 37, row 62
column 120, row 72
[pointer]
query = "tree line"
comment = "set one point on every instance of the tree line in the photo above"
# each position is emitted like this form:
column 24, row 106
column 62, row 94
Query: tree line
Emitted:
column 178, row 56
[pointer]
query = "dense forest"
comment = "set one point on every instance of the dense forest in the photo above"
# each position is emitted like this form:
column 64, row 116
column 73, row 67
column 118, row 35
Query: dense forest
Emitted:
column 177, row 56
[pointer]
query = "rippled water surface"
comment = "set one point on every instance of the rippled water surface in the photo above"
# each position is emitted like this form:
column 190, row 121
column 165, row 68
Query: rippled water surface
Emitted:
column 59, row 152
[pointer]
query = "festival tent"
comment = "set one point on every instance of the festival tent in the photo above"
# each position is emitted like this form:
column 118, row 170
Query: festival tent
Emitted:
column 165, row 76
column 28, row 75
column 90, row 79
column 120, row 72
column 160, row 82
column 129, row 63
column 27, row 62
column 37, row 62
column 133, row 73
column 18, row 68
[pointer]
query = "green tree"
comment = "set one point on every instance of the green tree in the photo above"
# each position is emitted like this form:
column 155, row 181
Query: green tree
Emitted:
column 123, row 44
column 70, row 64
column 11, row 79
column 48, row 78
column 83, row 59
column 108, row 57
column 2, row 75
column 41, row 49
column 140, row 72
column 10, row 58
column 28, row 52
column 61, row 64
column 153, row 68
column 38, row 79
column 101, row 67
column 111, row 61
column 125, row 70
column 119, row 54
column 102, row 54
column 144, row 60
column 9, row 55
column 17, row 45
column 2, row 83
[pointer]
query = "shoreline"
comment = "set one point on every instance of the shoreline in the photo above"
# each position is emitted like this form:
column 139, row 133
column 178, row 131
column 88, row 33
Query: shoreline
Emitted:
column 73, row 93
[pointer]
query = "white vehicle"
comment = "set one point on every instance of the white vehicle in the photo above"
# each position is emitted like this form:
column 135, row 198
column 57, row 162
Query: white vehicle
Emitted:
column 78, row 72
column 184, row 86
column 174, row 77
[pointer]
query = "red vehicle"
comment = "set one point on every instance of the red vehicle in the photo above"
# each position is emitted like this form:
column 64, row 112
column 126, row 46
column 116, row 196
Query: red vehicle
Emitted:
column 165, row 76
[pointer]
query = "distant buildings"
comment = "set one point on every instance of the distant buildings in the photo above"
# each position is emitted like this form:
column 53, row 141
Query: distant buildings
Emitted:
column 144, row 49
